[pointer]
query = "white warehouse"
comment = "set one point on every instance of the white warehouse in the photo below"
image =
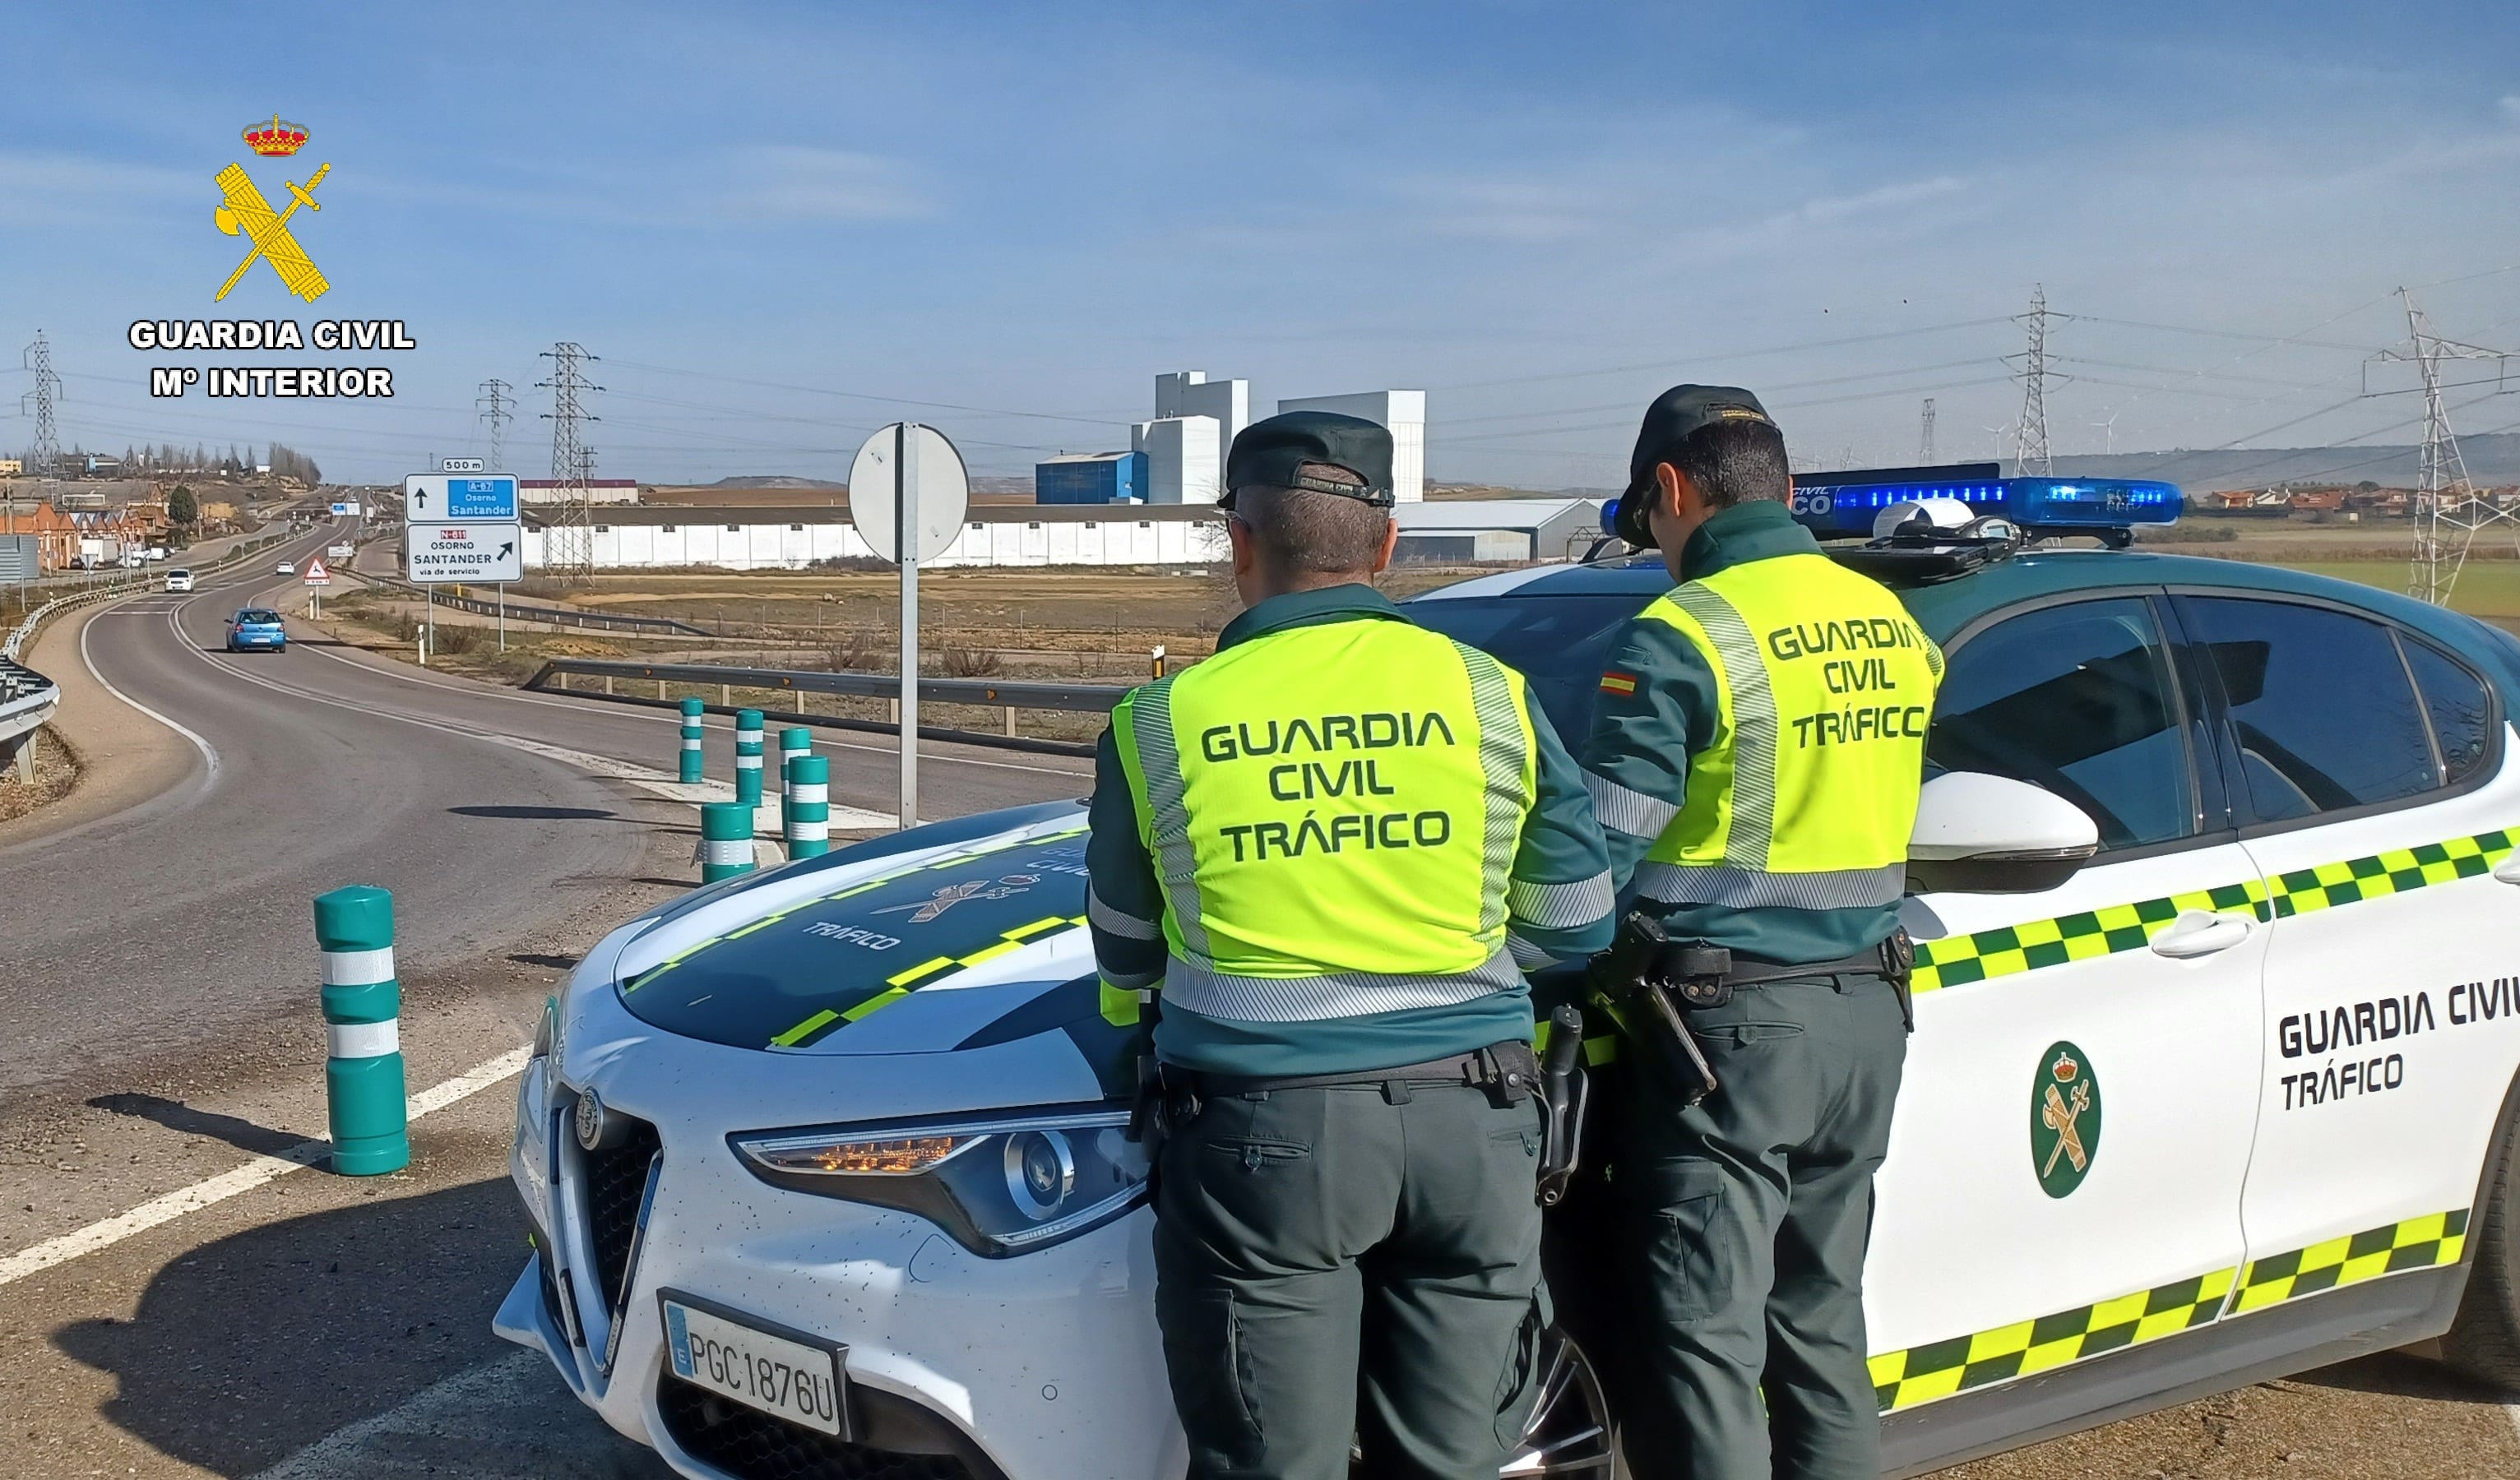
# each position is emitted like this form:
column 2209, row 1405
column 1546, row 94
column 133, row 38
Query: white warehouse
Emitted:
column 649, row 536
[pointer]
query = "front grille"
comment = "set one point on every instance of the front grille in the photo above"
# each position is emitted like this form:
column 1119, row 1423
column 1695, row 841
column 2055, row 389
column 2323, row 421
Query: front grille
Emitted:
column 755, row 1446
column 616, row 1180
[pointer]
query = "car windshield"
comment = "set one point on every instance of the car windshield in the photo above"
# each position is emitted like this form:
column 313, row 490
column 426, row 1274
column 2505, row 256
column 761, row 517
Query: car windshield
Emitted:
column 255, row 616
column 1560, row 643
column 179, row 575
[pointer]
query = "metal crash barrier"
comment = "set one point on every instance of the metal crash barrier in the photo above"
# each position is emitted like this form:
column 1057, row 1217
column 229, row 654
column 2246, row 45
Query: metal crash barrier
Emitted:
column 1078, row 698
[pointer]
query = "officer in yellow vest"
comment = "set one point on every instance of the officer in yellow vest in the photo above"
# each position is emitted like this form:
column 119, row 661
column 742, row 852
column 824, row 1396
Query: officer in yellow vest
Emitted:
column 1754, row 762
column 1330, row 844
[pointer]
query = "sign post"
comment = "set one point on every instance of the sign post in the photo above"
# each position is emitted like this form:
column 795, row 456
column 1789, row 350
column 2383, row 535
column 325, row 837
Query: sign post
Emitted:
column 907, row 494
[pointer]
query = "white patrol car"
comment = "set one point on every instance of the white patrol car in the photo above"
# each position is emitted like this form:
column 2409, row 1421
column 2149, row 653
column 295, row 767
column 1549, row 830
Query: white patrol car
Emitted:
column 827, row 1170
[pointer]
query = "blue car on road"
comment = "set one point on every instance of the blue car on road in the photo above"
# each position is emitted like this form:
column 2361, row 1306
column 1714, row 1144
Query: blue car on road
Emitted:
column 256, row 627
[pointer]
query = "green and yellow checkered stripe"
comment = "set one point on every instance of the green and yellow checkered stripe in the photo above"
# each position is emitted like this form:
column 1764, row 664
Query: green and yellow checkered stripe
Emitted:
column 1958, row 959
column 1923, row 1373
column 956, row 861
column 2417, row 1243
column 925, row 973
column 2395, row 873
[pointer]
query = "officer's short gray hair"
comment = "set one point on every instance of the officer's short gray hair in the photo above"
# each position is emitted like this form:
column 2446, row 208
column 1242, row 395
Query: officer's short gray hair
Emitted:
column 1299, row 531
column 1735, row 463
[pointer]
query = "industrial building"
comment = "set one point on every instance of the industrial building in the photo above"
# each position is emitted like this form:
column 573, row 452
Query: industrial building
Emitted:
column 598, row 490
column 655, row 535
column 1403, row 413
column 1091, row 477
column 1492, row 531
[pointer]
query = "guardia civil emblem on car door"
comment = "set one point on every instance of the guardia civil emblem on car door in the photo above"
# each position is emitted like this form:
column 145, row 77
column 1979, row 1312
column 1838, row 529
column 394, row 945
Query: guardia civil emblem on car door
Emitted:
column 2064, row 1119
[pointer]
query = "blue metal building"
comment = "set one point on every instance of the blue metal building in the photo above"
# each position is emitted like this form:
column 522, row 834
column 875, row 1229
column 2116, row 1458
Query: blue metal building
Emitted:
column 1091, row 477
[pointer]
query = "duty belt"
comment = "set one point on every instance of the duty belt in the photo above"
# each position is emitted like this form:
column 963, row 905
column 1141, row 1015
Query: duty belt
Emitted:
column 1510, row 1072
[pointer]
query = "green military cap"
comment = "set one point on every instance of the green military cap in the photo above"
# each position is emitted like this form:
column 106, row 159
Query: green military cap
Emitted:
column 1272, row 454
column 1669, row 420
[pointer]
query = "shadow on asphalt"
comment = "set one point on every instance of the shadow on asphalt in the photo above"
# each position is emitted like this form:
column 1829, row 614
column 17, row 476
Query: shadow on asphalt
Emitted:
column 2404, row 1374
column 254, row 1347
column 540, row 814
column 544, row 960
column 175, row 1116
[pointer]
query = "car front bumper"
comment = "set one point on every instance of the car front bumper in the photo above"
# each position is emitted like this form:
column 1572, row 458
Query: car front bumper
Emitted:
column 1042, row 1367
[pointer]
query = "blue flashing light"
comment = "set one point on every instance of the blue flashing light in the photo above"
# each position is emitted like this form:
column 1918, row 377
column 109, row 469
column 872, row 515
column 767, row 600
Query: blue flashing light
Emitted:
column 2053, row 505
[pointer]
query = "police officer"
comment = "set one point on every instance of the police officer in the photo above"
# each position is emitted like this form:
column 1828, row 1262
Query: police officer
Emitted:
column 1330, row 843
column 1754, row 762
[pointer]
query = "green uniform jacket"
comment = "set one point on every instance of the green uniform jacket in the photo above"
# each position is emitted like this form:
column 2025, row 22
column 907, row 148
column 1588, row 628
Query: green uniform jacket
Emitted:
column 1559, row 845
column 1646, row 734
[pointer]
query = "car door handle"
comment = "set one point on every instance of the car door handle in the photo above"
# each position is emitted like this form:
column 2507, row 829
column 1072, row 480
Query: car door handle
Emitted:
column 2510, row 871
column 2201, row 932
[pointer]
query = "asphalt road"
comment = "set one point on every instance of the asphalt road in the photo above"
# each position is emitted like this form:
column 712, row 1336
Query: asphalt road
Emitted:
column 210, row 1310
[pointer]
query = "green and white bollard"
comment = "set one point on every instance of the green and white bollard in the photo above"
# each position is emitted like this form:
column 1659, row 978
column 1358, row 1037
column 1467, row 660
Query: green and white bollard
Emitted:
column 690, row 772
column 793, row 742
column 363, row 1072
column 726, row 840
column 809, row 807
column 747, row 756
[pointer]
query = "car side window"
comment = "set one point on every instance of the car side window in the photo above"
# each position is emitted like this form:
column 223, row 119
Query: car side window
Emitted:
column 2078, row 699
column 2320, row 703
column 2457, row 703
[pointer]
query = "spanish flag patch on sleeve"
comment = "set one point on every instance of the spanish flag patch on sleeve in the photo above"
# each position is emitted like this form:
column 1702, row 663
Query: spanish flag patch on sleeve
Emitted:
column 1615, row 682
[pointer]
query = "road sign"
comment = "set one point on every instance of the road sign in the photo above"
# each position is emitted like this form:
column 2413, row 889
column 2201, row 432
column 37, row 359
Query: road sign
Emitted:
column 439, row 553
column 939, row 490
column 462, row 464
column 342, row 552
column 316, row 572
column 433, row 497
column 352, row 509
column 907, row 493
column 341, row 511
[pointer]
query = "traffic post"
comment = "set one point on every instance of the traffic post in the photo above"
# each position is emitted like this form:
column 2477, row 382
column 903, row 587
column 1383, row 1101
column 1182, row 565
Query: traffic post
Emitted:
column 808, row 824
column 793, row 742
column 363, row 1069
column 690, row 772
column 726, row 840
column 748, row 741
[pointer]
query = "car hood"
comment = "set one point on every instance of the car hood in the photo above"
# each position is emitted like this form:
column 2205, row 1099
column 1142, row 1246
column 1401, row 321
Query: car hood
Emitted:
column 934, row 941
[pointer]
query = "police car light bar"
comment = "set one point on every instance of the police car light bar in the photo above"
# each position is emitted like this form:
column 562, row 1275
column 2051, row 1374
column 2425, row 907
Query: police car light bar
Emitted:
column 1838, row 510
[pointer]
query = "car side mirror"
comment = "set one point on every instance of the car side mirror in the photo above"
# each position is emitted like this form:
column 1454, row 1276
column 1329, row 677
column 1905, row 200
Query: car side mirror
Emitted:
column 1990, row 834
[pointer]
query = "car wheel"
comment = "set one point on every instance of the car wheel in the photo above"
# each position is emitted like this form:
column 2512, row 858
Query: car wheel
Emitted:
column 2483, row 1339
column 1569, row 1432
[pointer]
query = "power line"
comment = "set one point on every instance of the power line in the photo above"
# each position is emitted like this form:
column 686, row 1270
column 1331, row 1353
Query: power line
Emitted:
column 569, row 540
column 47, row 454
column 2448, row 509
column 2032, row 457
column 494, row 402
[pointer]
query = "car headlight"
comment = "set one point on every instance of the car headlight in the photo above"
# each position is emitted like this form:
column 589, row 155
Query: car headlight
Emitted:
column 1001, row 1187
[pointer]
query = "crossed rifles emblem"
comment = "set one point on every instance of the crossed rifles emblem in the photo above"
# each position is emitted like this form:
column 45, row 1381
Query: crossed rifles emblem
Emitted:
column 245, row 212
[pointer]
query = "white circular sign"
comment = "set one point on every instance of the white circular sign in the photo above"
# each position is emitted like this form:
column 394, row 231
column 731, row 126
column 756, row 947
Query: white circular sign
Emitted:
column 940, row 490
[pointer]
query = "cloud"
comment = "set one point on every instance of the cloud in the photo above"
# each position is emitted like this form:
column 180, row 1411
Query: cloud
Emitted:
column 52, row 187
column 2511, row 105
column 1499, row 210
column 794, row 183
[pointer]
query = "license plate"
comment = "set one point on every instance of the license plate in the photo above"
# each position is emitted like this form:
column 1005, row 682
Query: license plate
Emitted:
column 788, row 1376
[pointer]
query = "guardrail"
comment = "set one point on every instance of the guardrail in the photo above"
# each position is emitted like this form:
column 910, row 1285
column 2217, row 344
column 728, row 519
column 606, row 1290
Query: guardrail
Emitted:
column 1079, row 699
column 558, row 617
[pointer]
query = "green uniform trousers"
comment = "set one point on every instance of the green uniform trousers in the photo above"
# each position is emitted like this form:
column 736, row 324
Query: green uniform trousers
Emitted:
column 1746, row 1221
column 1330, row 1265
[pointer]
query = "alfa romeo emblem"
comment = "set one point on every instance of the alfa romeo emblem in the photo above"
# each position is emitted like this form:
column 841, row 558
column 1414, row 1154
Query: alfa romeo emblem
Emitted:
column 2064, row 1119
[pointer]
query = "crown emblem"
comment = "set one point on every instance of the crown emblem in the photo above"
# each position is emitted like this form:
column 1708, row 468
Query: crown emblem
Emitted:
column 275, row 138
column 2066, row 1068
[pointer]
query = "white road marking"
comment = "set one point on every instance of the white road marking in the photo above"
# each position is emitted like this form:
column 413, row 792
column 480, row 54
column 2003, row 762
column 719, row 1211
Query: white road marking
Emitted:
column 109, row 1232
column 210, row 755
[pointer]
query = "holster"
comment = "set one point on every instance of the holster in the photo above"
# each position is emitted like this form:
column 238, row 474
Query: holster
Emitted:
column 1897, row 965
column 1565, row 1092
column 1633, row 981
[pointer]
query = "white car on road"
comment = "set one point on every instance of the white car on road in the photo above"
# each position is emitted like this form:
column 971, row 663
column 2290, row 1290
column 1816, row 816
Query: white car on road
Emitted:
column 827, row 1170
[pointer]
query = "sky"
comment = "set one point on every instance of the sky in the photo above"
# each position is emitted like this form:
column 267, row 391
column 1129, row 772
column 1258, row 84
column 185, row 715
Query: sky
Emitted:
column 779, row 226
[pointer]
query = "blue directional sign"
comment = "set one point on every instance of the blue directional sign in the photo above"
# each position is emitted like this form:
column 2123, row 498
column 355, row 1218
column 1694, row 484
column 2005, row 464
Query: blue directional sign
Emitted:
column 434, row 496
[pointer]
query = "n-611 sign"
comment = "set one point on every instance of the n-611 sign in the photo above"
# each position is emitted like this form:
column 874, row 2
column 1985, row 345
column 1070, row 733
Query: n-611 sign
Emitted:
column 482, row 554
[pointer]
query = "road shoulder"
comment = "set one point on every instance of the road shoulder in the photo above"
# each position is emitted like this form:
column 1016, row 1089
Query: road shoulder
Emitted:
column 126, row 757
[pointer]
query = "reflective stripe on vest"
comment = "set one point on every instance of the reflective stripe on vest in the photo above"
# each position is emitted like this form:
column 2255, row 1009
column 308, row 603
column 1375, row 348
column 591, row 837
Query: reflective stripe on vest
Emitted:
column 1825, row 689
column 1332, row 812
